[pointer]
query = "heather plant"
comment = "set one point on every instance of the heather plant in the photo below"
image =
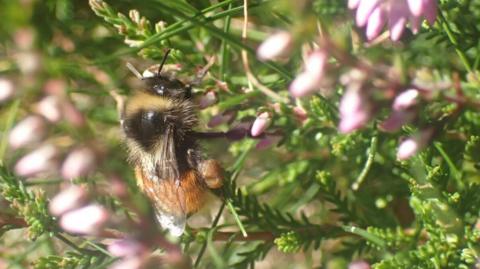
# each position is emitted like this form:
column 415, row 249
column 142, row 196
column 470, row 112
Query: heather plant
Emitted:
column 349, row 133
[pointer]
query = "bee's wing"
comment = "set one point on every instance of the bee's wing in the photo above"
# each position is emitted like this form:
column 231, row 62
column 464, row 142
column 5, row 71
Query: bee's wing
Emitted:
column 169, row 211
column 170, row 205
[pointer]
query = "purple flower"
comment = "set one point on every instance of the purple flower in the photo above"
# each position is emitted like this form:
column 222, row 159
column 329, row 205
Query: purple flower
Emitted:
column 7, row 89
column 412, row 145
column 79, row 162
column 71, row 198
column 374, row 14
column 309, row 81
column 86, row 220
column 275, row 46
column 354, row 110
column 406, row 99
column 30, row 130
column 208, row 99
column 51, row 108
column 42, row 159
column 260, row 124
column 359, row 265
column 126, row 247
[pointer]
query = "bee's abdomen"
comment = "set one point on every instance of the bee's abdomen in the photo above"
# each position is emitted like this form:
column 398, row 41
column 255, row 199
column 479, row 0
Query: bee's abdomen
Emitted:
column 188, row 197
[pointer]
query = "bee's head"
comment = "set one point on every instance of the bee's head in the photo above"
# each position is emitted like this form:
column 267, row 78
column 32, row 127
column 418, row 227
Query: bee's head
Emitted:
column 163, row 84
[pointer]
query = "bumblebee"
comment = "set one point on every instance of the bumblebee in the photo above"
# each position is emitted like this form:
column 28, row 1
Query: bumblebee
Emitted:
column 158, row 122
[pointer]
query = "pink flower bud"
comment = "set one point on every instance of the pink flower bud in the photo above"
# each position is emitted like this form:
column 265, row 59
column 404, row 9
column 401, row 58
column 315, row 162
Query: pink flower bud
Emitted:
column 28, row 62
column 7, row 89
column 304, row 84
column 416, row 7
column 222, row 118
column 24, row 38
column 430, row 10
column 126, row 247
column 359, row 265
column 275, row 46
column 207, row 99
column 43, row 159
column 353, row 4
column 398, row 15
column 69, row 199
column 406, row 99
column 316, row 62
column 300, row 114
column 128, row 263
column 412, row 145
column 80, row 162
column 407, row 149
column 309, row 81
column 266, row 142
column 86, row 220
column 55, row 87
column 238, row 132
column 375, row 24
column 50, row 108
column 72, row 114
column 396, row 120
column 354, row 111
column 29, row 131
column 260, row 124
column 365, row 8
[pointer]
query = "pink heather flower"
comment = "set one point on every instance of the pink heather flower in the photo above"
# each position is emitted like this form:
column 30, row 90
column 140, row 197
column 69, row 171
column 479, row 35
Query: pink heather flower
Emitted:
column 7, row 89
column 354, row 111
column 72, row 114
column 359, row 265
column 222, row 118
column 30, row 130
column 126, row 247
column 406, row 99
column 260, row 124
column 412, row 145
column 300, row 114
column 266, row 142
column 310, row 80
column 396, row 120
column 80, row 162
column 86, row 220
column 275, row 46
column 70, row 198
column 207, row 100
column 43, row 159
column 375, row 13
column 50, row 108
column 24, row 38
column 28, row 62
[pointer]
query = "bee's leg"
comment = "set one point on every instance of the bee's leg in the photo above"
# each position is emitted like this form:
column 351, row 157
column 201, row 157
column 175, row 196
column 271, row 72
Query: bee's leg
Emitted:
column 211, row 172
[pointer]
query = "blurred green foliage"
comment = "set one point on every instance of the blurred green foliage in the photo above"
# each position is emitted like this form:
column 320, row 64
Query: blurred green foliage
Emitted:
column 316, row 198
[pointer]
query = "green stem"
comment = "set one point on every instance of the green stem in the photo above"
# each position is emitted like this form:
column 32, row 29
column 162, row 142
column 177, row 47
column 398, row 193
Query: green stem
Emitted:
column 363, row 233
column 454, row 41
column 204, row 246
column 455, row 172
column 368, row 164
column 223, row 50
column 237, row 218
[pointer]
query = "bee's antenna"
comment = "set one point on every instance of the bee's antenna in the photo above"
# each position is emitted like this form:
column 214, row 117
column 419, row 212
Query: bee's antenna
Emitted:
column 163, row 62
column 134, row 71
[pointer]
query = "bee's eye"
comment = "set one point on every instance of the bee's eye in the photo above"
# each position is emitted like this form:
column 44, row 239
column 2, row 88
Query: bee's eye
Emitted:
column 159, row 89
